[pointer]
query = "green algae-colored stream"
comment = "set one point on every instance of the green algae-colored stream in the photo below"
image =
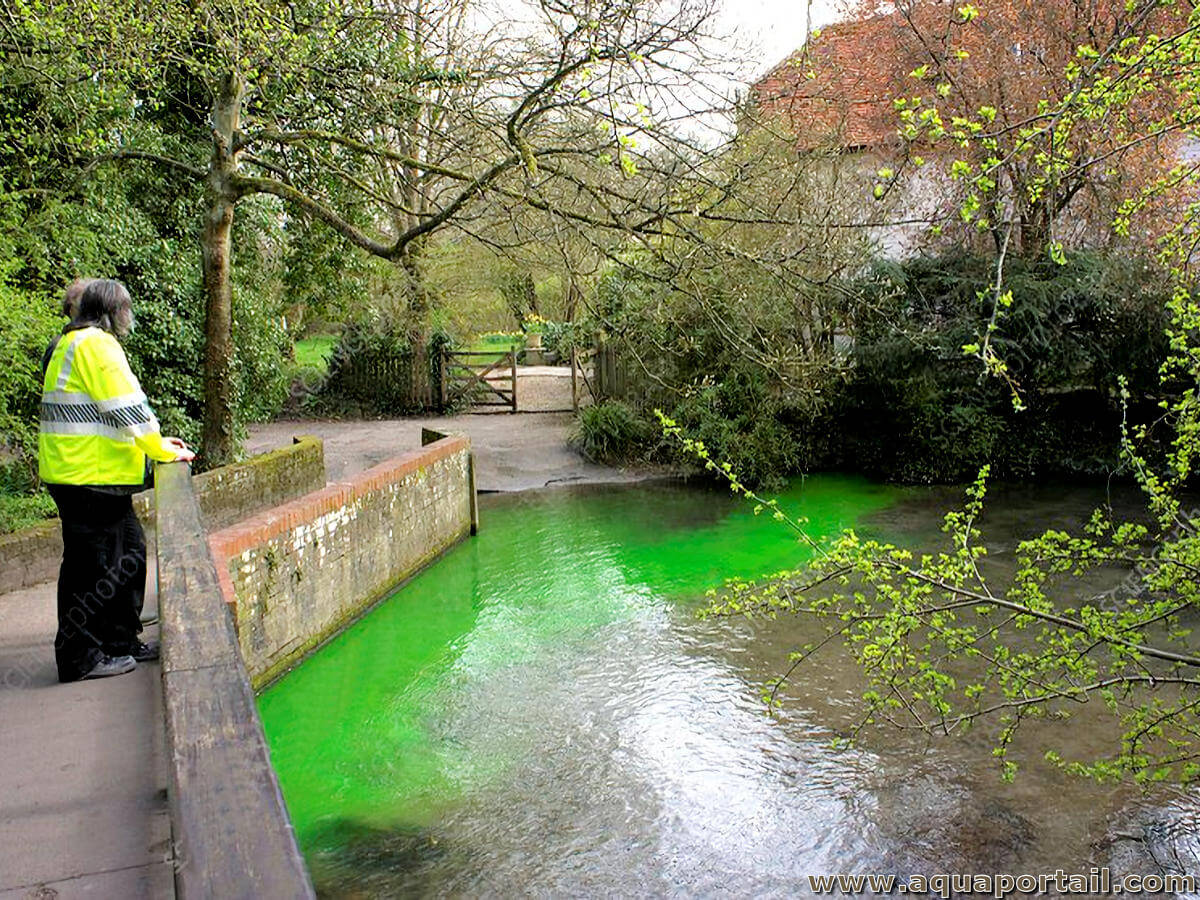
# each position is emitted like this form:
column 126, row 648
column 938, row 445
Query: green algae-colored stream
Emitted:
column 542, row 712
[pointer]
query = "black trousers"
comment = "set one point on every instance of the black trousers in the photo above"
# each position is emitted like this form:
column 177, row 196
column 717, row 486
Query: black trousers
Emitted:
column 102, row 582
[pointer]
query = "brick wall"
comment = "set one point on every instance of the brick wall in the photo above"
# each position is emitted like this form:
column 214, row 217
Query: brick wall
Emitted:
column 226, row 495
column 295, row 575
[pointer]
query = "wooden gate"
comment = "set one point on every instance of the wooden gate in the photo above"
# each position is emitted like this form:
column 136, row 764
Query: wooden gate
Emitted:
column 480, row 377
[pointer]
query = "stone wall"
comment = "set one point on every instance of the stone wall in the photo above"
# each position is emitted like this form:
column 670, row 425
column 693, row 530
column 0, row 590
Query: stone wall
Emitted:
column 30, row 556
column 297, row 574
column 234, row 492
column 226, row 495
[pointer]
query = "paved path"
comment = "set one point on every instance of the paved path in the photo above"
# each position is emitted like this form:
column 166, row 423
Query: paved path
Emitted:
column 544, row 389
column 512, row 452
column 83, row 809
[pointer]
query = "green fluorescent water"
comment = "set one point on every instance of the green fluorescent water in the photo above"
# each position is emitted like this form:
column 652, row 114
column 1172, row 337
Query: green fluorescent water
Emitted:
column 375, row 728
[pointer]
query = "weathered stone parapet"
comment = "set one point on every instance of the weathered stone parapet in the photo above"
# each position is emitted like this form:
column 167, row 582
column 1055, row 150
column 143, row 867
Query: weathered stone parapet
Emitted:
column 234, row 492
column 295, row 575
column 231, row 832
column 30, row 556
column 226, row 495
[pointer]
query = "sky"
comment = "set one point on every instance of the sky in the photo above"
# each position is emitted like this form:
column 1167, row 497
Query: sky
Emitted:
column 764, row 31
column 751, row 36
column 771, row 29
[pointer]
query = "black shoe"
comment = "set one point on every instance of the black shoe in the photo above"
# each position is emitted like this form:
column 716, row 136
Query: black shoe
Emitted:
column 110, row 666
column 147, row 652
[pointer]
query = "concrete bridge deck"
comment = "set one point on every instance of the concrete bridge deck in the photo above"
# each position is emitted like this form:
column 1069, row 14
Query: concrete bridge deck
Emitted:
column 83, row 807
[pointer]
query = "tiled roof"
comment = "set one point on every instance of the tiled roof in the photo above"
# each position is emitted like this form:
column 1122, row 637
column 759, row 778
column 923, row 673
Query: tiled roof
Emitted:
column 839, row 87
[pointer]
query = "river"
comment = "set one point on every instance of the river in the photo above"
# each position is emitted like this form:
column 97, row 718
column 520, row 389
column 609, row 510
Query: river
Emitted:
column 543, row 713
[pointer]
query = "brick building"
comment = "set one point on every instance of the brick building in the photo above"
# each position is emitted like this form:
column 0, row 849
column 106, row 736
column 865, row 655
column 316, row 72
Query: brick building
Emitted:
column 837, row 90
column 836, row 95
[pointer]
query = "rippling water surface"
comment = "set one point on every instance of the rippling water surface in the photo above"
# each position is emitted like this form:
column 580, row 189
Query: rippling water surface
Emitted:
column 542, row 712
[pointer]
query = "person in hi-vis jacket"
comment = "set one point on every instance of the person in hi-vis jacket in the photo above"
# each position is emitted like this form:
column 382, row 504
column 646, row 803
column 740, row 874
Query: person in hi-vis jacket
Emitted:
column 96, row 433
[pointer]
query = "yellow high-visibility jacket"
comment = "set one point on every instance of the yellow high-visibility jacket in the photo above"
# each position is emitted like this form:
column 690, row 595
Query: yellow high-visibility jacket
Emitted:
column 96, row 426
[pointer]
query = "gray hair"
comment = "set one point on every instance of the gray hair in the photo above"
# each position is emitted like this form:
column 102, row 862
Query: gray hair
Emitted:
column 105, row 303
column 70, row 303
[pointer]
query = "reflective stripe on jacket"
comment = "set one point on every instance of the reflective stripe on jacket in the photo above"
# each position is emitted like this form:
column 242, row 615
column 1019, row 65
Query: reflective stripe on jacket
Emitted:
column 96, row 426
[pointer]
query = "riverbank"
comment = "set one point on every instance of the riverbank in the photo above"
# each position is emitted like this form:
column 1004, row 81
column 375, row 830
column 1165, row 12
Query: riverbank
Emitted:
column 512, row 452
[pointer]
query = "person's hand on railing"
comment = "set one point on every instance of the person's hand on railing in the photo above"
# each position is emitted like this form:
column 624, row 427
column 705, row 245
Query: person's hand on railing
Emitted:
column 183, row 453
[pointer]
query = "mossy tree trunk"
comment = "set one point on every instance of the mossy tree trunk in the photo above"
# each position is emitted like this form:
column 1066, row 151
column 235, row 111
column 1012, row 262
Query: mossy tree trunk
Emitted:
column 218, row 445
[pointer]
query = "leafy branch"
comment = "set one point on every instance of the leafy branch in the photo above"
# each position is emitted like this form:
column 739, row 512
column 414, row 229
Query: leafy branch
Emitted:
column 943, row 649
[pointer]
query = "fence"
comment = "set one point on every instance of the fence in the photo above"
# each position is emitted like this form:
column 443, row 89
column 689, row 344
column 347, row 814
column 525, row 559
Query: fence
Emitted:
column 610, row 377
column 466, row 376
column 385, row 373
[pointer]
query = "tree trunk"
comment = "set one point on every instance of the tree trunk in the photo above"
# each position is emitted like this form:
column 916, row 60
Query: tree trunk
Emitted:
column 418, row 324
column 530, row 288
column 217, row 440
column 1034, row 235
column 572, row 304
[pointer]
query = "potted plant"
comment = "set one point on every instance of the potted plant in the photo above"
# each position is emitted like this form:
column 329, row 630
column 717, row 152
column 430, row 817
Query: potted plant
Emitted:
column 535, row 327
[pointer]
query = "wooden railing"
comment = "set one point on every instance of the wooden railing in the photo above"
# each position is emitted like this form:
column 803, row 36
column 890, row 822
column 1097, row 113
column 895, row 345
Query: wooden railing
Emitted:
column 232, row 835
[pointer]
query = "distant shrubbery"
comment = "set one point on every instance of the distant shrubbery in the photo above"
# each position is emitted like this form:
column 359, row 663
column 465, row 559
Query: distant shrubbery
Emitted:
column 901, row 400
column 373, row 370
column 561, row 338
column 916, row 409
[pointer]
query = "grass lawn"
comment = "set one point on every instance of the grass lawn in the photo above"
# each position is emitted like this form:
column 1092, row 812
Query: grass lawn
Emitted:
column 19, row 511
column 492, row 344
column 314, row 352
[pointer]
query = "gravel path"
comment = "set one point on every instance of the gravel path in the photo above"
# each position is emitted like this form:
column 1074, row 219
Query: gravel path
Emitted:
column 542, row 389
column 513, row 452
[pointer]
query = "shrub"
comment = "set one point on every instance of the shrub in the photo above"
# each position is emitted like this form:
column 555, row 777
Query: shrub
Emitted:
column 611, row 432
column 741, row 425
column 30, row 321
column 262, row 344
column 902, row 402
column 916, row 408
column 19, row 511
column 562, row 337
